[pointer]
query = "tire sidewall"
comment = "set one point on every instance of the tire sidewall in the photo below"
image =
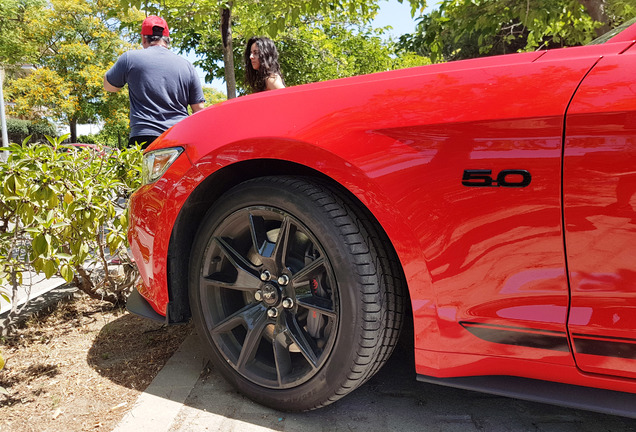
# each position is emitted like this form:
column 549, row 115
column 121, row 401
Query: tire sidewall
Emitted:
column 334, row 372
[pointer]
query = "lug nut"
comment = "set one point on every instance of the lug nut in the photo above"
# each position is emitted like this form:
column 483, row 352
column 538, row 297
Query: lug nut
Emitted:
column 266, row 275
column 258, row 295
column 272, row 312
column 288, row 303
column 283, row 280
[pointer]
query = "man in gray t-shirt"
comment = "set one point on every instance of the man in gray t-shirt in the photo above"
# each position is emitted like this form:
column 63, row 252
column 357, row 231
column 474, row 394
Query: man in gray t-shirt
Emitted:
column 161, row 84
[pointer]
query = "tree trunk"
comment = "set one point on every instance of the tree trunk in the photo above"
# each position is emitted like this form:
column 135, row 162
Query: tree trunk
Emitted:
column 228, row 52
column 596, row 9
column 73, row 127
column 107, row 290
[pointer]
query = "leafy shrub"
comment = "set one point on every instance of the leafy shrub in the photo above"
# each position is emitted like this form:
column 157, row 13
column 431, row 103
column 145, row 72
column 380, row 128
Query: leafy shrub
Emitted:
column 39, row 130
column 62, row 211
column 88, row 139
column 106, row 138
column 18, row 130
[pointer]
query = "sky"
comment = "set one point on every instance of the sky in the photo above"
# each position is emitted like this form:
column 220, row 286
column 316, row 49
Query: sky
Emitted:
column 397, row 15
column 392, row 13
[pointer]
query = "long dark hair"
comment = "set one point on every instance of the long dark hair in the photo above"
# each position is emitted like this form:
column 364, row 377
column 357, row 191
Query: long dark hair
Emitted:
column 268, row 59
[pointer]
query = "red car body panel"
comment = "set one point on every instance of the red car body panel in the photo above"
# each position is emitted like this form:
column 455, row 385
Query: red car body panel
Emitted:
column 493, row 289
column 599, row 191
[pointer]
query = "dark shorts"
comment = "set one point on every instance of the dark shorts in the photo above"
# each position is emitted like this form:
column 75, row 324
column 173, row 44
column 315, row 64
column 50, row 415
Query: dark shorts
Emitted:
column 139, row 139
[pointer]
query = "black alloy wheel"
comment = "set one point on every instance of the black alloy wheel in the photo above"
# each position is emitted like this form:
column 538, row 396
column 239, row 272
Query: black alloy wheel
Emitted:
column 292, row 293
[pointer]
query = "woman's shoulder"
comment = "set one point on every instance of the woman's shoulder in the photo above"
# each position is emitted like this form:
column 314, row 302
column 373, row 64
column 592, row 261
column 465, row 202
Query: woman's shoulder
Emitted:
column 274, row 81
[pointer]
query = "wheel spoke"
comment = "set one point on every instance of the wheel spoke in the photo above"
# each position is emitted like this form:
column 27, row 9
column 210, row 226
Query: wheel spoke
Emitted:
column 297, row 335
column 256, row 322
column 282, row 357
column 247, row 278
column 318, row 304
column 240, row 284
column 258, row 232
column 313, row 269
column 282, row 242
column 266, row 248
column 243, row 316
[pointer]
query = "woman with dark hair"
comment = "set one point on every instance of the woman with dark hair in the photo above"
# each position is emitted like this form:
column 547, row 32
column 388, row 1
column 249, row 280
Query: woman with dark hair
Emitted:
column 262, row 71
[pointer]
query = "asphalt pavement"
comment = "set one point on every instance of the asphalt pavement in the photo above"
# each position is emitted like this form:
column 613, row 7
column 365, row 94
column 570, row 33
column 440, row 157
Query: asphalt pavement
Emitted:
column 188, row 395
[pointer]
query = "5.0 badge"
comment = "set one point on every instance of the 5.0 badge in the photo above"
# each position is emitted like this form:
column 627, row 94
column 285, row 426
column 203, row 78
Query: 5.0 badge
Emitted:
column 506, row 178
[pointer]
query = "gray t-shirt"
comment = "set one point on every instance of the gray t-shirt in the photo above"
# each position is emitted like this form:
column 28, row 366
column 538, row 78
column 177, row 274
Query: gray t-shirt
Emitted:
column 161, row 85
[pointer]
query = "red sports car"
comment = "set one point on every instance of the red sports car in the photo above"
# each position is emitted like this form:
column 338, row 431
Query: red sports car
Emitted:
column 489, row 204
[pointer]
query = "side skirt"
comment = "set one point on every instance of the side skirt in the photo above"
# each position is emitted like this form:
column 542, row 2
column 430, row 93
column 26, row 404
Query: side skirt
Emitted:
column 566, row 395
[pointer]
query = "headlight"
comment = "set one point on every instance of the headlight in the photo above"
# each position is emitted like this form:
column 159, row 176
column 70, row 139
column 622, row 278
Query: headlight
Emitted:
column 156, row 163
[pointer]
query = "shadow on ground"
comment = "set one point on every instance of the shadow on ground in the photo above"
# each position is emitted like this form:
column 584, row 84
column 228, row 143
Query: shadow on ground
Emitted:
column 131, row 350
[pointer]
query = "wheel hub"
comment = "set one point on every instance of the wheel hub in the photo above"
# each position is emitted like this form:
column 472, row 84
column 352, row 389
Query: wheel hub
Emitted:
column 271, row 295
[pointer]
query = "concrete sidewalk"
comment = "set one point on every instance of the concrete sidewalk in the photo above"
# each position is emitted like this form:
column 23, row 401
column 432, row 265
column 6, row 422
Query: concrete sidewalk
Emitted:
column 188, row 395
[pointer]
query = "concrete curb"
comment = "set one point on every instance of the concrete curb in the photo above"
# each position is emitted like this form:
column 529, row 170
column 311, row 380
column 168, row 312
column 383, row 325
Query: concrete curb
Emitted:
column 156, row 408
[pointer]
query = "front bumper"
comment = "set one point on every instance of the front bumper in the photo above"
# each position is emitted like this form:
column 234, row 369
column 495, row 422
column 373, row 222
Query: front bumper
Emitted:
column 138, row 305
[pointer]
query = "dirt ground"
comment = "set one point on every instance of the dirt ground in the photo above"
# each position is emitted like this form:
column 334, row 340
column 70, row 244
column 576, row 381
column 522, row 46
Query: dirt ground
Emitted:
column 80, row 367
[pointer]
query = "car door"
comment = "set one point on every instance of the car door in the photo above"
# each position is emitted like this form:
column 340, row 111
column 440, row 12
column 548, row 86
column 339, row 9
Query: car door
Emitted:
column 599, row 191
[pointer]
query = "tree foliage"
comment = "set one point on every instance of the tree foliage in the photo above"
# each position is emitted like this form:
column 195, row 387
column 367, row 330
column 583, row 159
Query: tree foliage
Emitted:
column 76, row 47
column 461, row 29
column 18, row 129
column 114, row 111
column 213, row 96
column 16, row 20
column 319, row 51
column 324, row 25
column 201, row 26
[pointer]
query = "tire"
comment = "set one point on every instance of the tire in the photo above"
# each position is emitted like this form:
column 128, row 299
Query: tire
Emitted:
column 294, row 293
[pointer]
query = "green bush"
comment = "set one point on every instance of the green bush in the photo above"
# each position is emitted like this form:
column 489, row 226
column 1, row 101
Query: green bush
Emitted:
column 105, row 138
column 63, row 211
column 40, row 129
column 18, row 130
column 88, row 139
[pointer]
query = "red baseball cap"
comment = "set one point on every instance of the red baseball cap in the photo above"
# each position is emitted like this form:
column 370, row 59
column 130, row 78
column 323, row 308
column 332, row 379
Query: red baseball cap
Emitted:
column 154, row 21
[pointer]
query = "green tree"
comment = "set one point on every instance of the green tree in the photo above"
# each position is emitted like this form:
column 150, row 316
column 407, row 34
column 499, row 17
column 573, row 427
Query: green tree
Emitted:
column 77, row 46
column 329, row 49
column 114, row 112
column 461, row 29
column 211, row 27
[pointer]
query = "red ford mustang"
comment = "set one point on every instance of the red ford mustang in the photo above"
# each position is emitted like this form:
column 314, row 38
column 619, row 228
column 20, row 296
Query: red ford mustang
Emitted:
column 489, row 204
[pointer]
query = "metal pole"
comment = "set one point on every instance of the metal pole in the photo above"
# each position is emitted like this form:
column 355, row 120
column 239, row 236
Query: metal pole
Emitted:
column 3, row 119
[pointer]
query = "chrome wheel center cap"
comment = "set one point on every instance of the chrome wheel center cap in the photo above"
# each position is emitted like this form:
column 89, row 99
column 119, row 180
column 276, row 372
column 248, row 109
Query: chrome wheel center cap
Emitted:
column 271, row 295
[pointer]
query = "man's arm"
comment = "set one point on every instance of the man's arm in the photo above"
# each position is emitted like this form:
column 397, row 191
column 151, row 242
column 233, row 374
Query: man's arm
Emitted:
column 196, row 107
column 109, row 87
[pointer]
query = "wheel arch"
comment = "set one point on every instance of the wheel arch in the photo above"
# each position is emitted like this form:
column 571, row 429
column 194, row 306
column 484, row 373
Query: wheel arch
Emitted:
column 210, row 190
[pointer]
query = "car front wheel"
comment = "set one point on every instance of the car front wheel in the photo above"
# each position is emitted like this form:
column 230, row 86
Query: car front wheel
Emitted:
column 296, row 295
